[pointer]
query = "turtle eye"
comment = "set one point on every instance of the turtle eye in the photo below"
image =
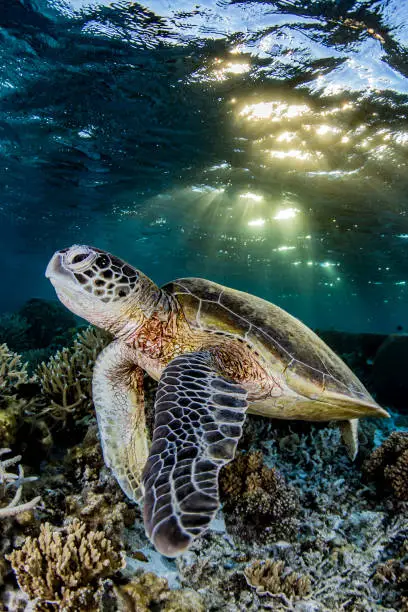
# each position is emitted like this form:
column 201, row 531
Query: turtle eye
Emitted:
column 79, row 257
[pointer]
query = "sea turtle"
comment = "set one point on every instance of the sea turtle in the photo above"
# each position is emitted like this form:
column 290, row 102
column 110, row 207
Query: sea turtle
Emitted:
column 217, row 353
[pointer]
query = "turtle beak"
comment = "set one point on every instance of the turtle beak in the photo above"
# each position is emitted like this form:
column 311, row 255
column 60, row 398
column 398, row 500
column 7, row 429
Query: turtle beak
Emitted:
column 54, row 267
column 56, row 271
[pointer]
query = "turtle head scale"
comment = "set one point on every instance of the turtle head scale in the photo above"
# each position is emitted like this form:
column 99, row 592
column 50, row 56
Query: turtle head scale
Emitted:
column 100, row 287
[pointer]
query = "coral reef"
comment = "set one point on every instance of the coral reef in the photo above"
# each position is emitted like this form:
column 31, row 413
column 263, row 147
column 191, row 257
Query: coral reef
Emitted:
column 274, row 578
column 39, row 324
column 13, row 331
column 257, row 501
column 11, row 507
column 307, row 532
column 64, row 567
column 49, row 323
column 388, row 465
column 66, row 379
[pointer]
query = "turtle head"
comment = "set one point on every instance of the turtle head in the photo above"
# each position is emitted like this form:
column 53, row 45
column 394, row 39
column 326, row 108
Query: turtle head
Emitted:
column 100, row 287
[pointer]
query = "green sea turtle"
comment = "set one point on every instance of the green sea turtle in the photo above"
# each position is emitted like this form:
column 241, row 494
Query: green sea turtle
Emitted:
column 217, row 353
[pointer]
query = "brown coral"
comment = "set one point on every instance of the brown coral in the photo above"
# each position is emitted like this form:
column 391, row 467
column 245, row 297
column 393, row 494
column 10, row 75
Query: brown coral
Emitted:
column 388, row 465
column 64, row 567
column 394, row 573
column 257, row 501
column 148, row 591
column 66, row 379
column 101, row 511
column 274, row 578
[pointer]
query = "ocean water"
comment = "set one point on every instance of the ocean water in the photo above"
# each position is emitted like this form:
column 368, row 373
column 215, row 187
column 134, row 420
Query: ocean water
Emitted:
column 263, row 145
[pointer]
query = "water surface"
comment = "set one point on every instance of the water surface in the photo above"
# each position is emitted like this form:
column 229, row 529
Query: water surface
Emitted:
column 263, row 145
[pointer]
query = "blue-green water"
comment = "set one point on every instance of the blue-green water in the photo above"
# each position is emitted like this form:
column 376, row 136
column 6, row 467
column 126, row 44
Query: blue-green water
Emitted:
column 263, row 145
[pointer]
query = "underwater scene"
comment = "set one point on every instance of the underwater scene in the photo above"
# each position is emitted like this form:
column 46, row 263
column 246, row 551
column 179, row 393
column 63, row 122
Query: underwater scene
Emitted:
column 204, row 305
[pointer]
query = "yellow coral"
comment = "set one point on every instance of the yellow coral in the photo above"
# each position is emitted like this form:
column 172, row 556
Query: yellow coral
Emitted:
column 148, row 591
column 65, row 567
column 13, row 373
column 273, row 578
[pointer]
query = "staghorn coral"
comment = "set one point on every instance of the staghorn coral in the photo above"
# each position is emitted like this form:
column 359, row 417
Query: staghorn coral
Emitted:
column 13, row 374
column 257, row 501
column 12, row 507
column 274, row 578
column 148, row 591
column 66, row 379
column 63, row 568
column 388, row 465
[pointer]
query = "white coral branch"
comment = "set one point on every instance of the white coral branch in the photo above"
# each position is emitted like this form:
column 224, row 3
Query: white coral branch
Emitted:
column 8, row 479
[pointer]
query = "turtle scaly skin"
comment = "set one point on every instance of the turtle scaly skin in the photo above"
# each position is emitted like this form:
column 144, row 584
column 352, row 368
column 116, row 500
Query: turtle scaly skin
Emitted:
column 217, row 354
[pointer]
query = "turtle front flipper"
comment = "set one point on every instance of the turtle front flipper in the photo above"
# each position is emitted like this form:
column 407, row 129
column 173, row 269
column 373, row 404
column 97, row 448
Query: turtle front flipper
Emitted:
column 199, row 416
column 118, row 395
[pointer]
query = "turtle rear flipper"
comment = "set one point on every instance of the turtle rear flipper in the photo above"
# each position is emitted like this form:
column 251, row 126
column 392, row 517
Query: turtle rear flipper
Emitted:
column 349, row 433
column 118, row 395
column 198, row 422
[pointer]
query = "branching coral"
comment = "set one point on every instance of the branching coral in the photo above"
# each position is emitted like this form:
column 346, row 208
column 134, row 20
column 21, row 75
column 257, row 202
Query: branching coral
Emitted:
column 12, row 371
column 388, row 465
column 66, row 380
column 9, row 479
column 258, row 502
column 65, row 567
column 13, row 374
column 274, row 578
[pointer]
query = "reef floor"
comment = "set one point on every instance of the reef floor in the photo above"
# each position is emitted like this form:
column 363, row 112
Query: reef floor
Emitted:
column 301, row 526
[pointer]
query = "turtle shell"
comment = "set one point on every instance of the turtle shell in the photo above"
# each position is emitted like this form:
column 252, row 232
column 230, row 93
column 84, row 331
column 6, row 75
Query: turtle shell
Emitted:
column 283, row 343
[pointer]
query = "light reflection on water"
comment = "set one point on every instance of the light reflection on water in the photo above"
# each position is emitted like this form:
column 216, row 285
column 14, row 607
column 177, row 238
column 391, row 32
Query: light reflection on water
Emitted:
column 262, row 145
